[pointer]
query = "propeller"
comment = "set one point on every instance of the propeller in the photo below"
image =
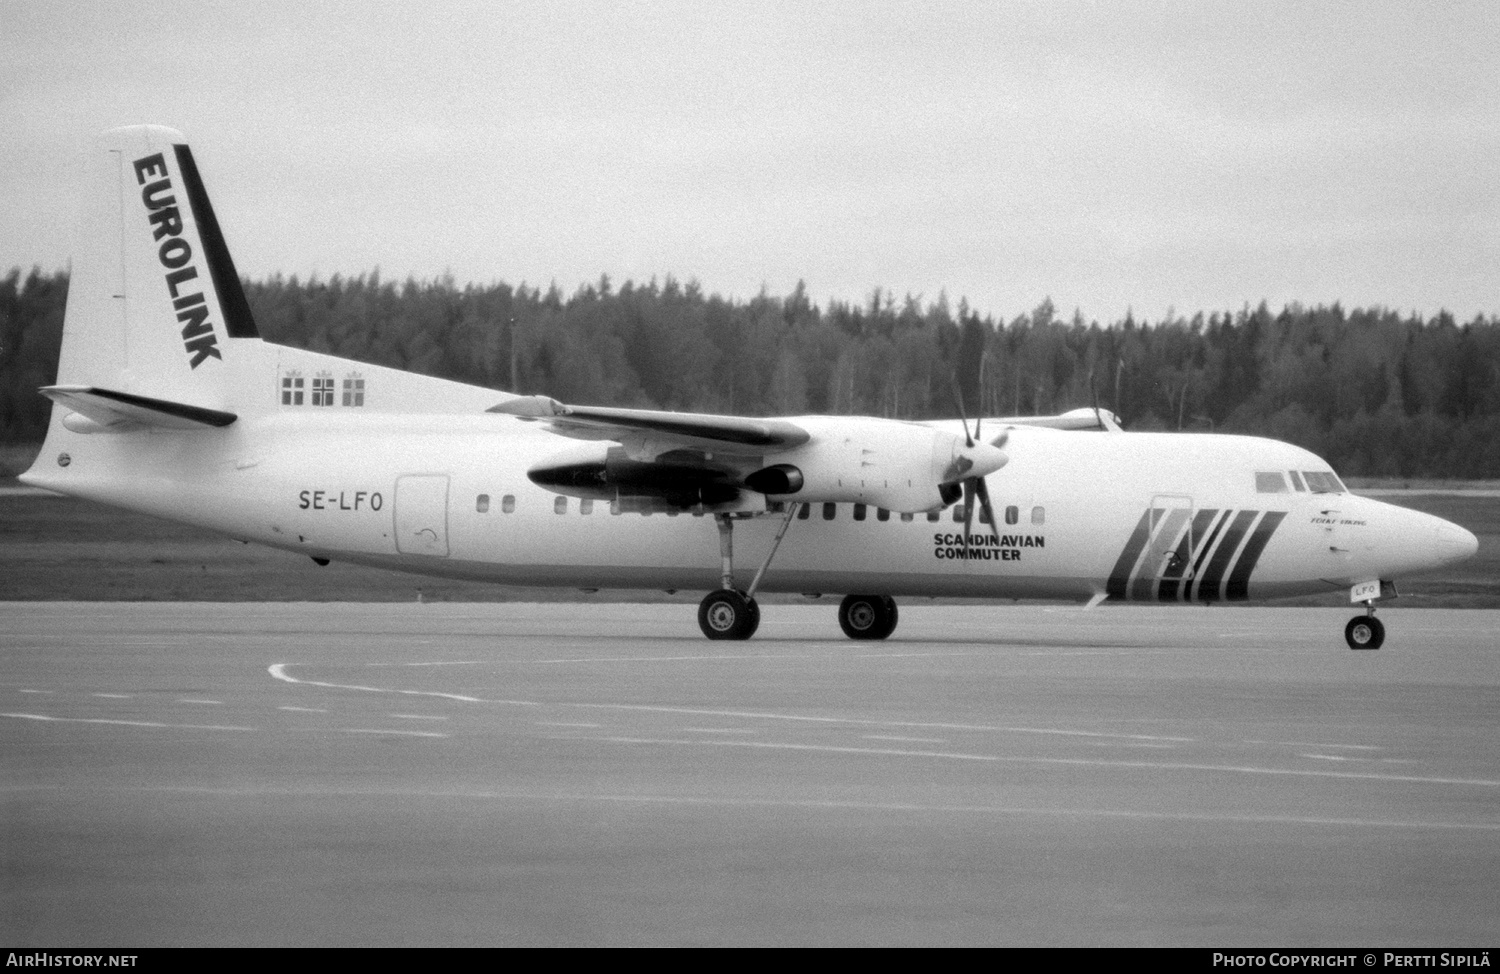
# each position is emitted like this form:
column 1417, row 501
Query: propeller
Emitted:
column 973, row 484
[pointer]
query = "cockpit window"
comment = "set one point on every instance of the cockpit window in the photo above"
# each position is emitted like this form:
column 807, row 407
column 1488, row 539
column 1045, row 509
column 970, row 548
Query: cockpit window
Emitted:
column 1297, row 480
column 1323, row 483
column 1270, row 482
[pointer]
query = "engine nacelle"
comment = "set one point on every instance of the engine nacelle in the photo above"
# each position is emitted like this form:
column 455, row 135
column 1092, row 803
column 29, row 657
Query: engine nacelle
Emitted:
column 603, row 471
column 904, row 467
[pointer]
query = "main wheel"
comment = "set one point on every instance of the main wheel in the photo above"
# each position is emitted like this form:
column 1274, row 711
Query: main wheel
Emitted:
column 726, row 614
column 1364, row 632
column 867, row 616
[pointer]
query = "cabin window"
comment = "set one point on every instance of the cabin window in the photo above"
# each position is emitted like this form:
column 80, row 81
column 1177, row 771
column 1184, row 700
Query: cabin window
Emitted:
column 958, row 513
column 859, row 512
column 560, row 505
column 908, row 518
column 1270, row 482
column 804, row 512
column 934, row 516
column 508, row 503
column 1012, row 514
column 984, row 515
column 881, row 514
column 482, row 504
column 354, row 391
column 1297, row 480
column 1322, row 483
column 586, row 506
column 1038, row 515
column 776, row 507
column 829, row 509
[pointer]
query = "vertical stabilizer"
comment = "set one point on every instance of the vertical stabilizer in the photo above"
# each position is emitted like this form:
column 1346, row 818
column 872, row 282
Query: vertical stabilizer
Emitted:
column 155, row 305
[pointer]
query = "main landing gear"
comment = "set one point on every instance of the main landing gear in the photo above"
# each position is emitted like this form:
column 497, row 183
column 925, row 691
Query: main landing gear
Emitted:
column 867, row 616
column 727, row 613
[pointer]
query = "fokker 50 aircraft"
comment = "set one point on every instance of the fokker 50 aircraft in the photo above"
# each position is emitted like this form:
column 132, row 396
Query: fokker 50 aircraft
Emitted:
column 167, row 402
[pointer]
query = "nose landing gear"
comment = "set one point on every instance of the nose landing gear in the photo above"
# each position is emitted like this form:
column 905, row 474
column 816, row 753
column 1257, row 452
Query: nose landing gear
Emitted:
column 1365, row 632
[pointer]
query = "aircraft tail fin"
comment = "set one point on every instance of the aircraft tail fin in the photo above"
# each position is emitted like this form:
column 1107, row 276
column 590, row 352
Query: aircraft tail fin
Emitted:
column 155, row 305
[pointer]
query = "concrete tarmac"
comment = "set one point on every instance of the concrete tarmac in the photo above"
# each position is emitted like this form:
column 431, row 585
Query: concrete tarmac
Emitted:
column 598, row 774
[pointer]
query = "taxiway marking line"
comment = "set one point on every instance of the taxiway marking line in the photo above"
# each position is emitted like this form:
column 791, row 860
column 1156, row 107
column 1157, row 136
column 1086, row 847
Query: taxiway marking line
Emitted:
column 811, row 804
column 872, row 722
column 402, row 733
column 278, row 670
column 127, row 723
column 1076, row 762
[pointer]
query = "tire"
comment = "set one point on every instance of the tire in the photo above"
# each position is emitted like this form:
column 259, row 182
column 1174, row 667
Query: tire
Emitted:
column 867, row 616
column 726, row 614
column 1364, row 632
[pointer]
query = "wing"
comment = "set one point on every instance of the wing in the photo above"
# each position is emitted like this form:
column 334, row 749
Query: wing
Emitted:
column 733, row 463
column 739, row 435
column 109, row 411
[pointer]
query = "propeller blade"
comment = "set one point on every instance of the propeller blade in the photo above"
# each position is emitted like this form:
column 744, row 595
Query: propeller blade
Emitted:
column 984, row 499
column 969, row 490
column 963, row 414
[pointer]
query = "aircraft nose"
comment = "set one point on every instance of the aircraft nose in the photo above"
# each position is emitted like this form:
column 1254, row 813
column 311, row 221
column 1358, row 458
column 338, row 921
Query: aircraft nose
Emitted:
column 1455, row 543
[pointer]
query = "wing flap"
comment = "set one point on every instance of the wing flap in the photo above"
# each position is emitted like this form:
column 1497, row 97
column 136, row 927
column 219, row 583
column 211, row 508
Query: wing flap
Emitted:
column 725, row 434
column 120, row 412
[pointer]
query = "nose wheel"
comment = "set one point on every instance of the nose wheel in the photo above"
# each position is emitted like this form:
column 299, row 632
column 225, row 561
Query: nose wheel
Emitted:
column 1365, row 632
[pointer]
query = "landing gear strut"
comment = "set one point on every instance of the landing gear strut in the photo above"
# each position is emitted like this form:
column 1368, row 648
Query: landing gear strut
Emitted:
column 867, row 616
column 1366, row 631
column 727, row 613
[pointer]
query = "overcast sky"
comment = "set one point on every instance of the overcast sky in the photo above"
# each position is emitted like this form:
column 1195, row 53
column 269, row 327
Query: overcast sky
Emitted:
column 1108, row 155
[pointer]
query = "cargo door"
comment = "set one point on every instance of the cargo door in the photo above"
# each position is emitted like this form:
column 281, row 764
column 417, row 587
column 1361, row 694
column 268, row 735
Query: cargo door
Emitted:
column 422, row 515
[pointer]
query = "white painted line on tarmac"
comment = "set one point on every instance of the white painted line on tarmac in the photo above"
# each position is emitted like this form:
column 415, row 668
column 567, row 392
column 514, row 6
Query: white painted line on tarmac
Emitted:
column 417, row 717
column 400, row 733
column 678, row 659
column 278, row 670
column 195, row 700
column 304, row 710
column 1126, row 814
column 871, row 722
column 456, row 662
column 38, row 691
column 112, row 696
column 127, row 723
column 1075, row 762
column 556, row 723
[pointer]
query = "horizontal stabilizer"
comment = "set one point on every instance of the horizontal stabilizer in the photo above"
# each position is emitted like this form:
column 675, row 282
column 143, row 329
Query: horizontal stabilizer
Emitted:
column 108, row 411
column 727, row 434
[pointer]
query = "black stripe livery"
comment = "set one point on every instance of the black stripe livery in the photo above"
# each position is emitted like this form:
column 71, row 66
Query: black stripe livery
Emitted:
column 1213, row 536
column 1208, row 587
column 1238, row 589
column 236, row 310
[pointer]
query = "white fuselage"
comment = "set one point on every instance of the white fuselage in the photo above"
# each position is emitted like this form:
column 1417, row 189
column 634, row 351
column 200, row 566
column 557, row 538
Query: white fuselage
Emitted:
column 1145, row 516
